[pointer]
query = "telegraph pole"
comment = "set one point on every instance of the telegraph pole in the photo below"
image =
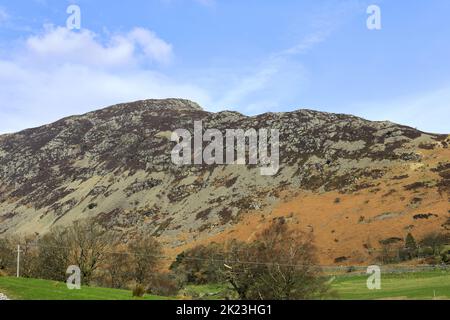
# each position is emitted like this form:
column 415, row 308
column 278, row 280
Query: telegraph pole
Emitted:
column 18, row 260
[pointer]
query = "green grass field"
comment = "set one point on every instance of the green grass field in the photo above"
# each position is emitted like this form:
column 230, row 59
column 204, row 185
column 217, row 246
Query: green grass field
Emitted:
column 34, row 289
column 419, row 285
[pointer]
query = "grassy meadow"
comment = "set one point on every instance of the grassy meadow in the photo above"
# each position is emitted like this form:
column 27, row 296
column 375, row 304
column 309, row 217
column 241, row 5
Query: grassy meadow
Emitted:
column 417, row 285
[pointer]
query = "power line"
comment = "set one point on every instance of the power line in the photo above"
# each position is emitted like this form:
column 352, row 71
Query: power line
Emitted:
column 243, row 262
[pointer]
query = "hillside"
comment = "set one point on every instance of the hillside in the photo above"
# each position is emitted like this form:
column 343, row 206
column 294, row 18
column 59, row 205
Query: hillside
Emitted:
column 351, row 181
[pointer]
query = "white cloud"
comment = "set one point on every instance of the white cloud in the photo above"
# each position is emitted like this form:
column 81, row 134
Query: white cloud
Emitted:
column 59, row 44
column 60, row 73
column 153, row 47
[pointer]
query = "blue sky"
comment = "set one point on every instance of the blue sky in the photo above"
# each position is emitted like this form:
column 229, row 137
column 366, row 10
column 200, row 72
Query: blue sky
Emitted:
column 251, row 56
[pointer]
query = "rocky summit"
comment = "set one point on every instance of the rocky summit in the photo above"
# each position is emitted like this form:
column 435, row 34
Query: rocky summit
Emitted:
column 353, row 183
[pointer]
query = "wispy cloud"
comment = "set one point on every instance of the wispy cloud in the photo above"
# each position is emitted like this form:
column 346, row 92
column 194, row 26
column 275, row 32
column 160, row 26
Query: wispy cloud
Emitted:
column 307, row 43
column 278, row 72
column 4, row 16
column 281, row 74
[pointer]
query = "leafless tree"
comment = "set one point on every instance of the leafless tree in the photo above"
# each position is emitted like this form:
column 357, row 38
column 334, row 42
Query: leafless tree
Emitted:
column 88, row 243
column 7, row 256
column 145, row 258
column 118, row 266
column 280, row 264
column 53, row 255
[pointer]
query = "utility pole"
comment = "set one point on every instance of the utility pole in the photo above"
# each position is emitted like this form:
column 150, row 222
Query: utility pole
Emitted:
column 18, row 260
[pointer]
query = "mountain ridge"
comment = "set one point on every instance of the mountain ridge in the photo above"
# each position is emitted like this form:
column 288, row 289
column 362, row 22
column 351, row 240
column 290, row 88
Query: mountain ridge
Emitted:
column 195, row 106
column 114, row 165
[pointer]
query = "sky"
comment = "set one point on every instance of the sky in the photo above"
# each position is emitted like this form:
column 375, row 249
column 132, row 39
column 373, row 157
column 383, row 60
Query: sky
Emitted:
column 250, row 56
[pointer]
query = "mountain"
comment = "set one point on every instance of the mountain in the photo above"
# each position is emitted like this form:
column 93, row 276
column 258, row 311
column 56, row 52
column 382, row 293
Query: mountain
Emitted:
column 353, row 183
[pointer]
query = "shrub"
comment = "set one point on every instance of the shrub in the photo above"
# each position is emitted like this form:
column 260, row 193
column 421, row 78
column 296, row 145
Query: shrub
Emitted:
column 426, row 252
column 432, row 260
column 445, row 257
column 92, row 206
column 351, row 269
column 435, row 241
column 199, row 265
column 138, row 290
column 389, row 253
column 164, row 285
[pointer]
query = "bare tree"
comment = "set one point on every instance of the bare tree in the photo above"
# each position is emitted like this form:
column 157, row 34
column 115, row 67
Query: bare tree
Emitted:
column 88, row 243
column 53, row 255
column 118, row 267
column 290, row 270
column 240, row 267
column 280, row 264
column 28, row 254
column 145, row 254
column 7, row 256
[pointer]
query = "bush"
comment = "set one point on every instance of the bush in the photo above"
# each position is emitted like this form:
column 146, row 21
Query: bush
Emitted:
column 164, row 285
column 435, row 241
column 138, row 290
column 427, row 252
column 351, row 269
column 432, row 260
column 92, row 206
column 199, row 265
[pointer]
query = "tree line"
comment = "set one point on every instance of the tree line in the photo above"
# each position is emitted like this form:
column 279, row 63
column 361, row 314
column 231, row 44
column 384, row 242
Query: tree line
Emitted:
column 433, row 248
column 280, row 263
column 104, row 258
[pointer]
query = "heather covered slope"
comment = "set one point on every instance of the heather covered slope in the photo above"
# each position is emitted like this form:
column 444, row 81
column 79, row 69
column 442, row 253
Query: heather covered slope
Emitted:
column 351, row 181
column 349, row 227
